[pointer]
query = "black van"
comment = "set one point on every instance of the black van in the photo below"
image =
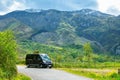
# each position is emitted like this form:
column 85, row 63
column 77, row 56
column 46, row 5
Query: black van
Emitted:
column 38, row 60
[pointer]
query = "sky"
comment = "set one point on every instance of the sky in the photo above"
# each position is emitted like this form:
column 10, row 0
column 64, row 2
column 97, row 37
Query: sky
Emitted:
column 105, row 6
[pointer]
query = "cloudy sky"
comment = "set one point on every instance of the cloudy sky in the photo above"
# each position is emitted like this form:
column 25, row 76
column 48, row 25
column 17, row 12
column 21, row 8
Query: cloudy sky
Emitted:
column 106, row 6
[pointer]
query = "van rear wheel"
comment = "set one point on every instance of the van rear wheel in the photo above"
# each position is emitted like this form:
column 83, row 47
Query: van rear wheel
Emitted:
column 40, row 66
column 50, row 67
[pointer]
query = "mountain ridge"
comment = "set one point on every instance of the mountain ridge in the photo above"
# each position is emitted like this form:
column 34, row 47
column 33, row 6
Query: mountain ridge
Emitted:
column 65, row 27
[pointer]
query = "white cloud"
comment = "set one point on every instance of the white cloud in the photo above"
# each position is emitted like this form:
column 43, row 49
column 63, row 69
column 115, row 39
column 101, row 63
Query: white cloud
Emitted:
column 109, row 6
column 67, row 5
column 13, row 5
column 16, row 6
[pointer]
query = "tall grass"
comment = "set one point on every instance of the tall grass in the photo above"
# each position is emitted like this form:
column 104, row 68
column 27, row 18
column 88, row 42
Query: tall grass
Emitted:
column 86, row 65
column 112, row 75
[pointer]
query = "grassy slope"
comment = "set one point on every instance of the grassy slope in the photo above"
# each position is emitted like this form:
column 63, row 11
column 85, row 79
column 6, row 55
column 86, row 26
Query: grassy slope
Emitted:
column 96, row 74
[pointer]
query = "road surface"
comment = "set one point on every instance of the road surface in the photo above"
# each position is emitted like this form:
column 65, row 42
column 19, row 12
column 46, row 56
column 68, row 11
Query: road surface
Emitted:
column 48, row 74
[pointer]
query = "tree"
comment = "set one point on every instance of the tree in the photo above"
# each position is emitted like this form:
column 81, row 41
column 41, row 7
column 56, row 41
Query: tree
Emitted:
column 36, row 52
column 88, row 51
column 8, row 51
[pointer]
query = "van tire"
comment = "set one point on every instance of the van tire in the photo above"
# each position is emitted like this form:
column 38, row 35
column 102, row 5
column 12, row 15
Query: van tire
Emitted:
column 50, row 67
column 40, row 66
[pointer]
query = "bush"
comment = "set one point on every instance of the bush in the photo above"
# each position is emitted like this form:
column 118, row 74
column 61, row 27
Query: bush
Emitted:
column 8, row 50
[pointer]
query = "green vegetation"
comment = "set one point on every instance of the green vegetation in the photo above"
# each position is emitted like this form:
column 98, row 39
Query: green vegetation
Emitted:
column 8, row 57
column 21, row 77
column 74, row 58
column 18, row 77
column 70, row 56
column 96, row 74
column 97, row 65
column 8, row 51
column 88, row 52
column 63, row 28
column 73, row 39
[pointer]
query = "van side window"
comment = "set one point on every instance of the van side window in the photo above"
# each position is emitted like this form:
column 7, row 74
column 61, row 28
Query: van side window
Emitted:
column 34, row 58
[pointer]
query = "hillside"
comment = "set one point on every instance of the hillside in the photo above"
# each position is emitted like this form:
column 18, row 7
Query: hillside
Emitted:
column 63, row 28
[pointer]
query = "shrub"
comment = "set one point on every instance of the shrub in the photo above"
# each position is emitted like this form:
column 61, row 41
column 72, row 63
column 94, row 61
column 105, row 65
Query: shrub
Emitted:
column 8, row 50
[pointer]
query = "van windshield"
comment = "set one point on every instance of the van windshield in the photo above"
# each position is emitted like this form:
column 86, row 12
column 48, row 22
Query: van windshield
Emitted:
column 45, row 57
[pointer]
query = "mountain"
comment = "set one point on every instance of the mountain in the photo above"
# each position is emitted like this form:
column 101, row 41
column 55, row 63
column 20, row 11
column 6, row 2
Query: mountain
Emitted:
column 64, row 28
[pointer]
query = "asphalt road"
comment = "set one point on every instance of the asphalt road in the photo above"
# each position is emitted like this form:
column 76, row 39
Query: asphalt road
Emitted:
column 48, row 74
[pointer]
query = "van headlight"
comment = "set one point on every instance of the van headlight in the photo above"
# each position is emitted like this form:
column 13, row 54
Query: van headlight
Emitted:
column 44, row 61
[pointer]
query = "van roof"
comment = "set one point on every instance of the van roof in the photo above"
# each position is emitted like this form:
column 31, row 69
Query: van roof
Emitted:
column 38, row 54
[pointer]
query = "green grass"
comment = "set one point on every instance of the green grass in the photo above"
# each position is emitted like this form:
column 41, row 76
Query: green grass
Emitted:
column 95, row 74
column 18, row 77
column 22, row 77
column 77, row 64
